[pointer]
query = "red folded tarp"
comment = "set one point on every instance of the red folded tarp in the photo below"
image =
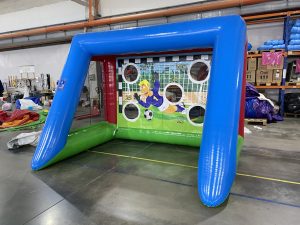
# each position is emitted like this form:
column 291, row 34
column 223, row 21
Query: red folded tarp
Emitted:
column 17, row 118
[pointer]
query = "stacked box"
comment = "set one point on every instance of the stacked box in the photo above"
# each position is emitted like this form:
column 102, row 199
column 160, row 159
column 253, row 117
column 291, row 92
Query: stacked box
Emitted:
column 276, row 67
column 261, row 74
column 251, row 68
column 264, row 76
column 264, row 71
column 250, row 76
column 251, row 64
column 277, row 76
column 259, row 64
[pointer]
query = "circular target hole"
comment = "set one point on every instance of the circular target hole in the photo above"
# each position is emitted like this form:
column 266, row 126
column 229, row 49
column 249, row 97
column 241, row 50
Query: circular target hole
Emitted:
column 131, row 112
column 199, row 71
column 130, row 73
column 196, row 114
column 173, row 93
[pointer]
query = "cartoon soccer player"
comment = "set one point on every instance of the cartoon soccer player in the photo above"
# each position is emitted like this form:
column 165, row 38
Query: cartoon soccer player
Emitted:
column 150, row 97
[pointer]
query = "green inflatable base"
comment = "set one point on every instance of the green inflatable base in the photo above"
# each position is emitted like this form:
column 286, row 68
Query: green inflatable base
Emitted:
column 167, row 137
column 86, row 138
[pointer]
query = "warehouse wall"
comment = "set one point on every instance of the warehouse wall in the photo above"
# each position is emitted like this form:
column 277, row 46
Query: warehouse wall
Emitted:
column 46, row 60
column 116, row 7
column 49, row 59
column 7, row 6
column 257, row 34
column 56, row 13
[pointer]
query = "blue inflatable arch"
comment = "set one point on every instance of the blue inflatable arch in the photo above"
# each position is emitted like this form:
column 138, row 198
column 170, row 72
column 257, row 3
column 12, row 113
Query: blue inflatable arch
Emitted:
column 227, row 37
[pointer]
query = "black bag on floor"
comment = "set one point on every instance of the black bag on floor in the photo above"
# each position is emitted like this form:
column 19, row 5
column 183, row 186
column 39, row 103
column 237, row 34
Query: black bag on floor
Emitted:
column 292, row 103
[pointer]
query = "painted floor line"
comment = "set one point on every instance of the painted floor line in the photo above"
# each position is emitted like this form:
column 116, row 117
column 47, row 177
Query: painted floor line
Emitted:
column 268, row 178
column 193, row 167
column 232, row 193
column 145, row 159
column 264, row 200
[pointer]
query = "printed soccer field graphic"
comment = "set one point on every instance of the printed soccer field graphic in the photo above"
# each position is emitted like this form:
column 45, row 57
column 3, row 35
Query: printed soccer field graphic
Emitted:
column 165, row 92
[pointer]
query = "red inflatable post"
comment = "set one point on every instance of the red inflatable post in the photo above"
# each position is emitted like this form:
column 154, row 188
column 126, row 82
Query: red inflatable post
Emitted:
column 109, row 88
column 243, row 97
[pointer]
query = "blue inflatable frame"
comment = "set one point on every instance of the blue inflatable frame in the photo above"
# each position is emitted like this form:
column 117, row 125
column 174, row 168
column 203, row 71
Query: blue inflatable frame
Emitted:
column 227, row 37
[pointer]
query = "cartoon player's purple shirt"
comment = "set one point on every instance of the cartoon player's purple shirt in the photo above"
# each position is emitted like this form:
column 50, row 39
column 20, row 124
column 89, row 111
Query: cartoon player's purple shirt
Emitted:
column 157, row 100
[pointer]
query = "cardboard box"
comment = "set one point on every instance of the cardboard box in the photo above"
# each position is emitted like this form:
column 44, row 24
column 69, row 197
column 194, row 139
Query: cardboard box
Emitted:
column 277, row 67
column 250, row 76
column 277, row 76
column 264, row 76
column 260, row 66
column 251, row 64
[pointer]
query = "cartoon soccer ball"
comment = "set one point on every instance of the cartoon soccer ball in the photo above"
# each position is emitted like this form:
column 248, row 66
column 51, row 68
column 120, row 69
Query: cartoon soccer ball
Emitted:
column 148, row 114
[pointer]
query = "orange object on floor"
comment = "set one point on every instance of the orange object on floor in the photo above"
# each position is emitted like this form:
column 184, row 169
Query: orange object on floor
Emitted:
column 17, row 118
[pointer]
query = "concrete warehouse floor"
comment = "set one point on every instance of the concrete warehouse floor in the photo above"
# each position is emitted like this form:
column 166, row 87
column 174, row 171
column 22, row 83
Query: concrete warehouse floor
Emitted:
column 102, row 187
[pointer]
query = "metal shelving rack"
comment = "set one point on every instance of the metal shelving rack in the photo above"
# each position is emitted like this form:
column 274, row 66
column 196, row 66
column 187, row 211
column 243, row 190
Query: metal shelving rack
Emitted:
column 278, row 17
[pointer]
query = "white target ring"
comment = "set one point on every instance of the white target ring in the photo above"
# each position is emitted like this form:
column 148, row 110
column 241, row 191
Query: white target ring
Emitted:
column 190, row 68
column 124, row 112
column 138, row 73
column 165, row 93
column 188, row 115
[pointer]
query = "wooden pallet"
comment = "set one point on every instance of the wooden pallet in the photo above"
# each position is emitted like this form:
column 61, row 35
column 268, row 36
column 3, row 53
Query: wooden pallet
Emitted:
column 253, row 52
column 273, row 50
column 295, row 115
column 295, row 52
column 268, row 84
column 292, row 83
column 256, row 121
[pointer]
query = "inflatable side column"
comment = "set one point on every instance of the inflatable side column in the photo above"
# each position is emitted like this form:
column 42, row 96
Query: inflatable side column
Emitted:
column 217, row 160
column 59, row 120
